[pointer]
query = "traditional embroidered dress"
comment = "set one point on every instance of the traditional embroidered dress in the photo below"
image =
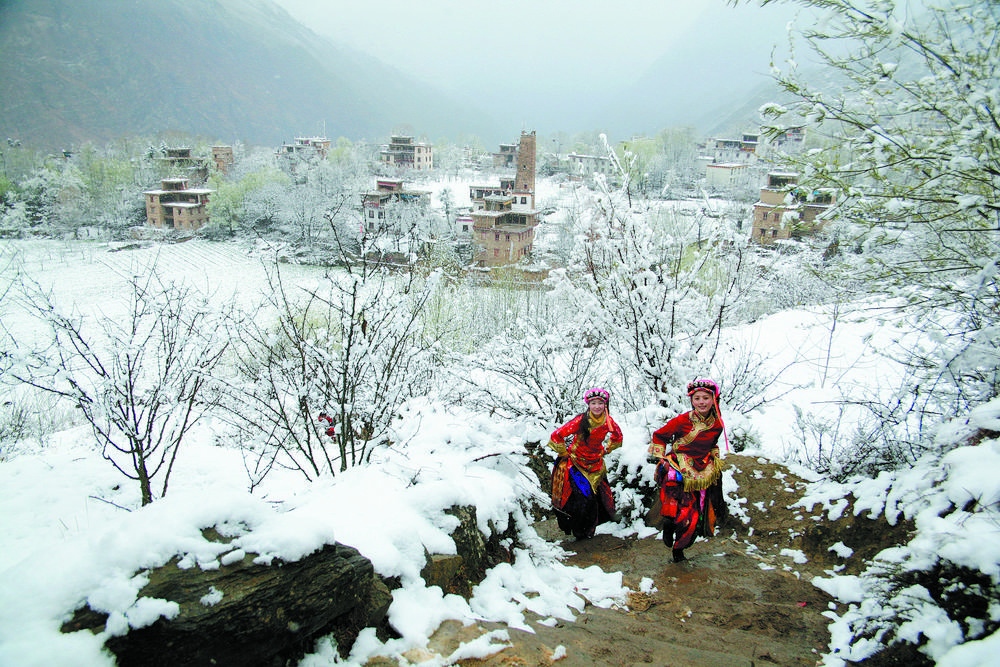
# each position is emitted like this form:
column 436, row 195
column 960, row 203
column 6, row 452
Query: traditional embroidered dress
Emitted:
column 689, row 476
column 580, row 489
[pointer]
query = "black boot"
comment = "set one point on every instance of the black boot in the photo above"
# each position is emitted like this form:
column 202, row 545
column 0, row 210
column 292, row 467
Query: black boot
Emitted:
column 668, row 533
column 679, row 556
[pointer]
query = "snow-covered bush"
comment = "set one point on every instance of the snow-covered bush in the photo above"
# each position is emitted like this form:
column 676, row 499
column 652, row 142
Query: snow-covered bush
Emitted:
column 904, row 126
column 935, row 599
column 337, row 357
column 657, row 284
column 742, row 436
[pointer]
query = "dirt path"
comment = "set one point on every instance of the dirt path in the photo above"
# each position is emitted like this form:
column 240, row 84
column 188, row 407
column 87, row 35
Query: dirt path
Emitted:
column 738, row 601
column 717, row 609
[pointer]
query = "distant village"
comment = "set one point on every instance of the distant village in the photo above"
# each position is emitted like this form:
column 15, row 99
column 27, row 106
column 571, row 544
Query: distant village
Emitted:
column 502, row 218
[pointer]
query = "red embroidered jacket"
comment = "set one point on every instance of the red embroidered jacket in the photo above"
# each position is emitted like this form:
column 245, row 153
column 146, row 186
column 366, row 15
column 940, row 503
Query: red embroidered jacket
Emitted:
column 702, row 445
column 588, row 455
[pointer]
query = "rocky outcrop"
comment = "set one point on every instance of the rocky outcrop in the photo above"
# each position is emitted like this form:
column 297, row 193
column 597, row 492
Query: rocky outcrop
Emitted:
column 475, row 553
column 251, row 614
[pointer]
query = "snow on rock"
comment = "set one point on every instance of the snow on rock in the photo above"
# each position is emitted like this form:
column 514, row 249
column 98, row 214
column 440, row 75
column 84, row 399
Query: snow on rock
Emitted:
column 846, row 588
column 842, row 550
column 980, row 653
column 796, row 555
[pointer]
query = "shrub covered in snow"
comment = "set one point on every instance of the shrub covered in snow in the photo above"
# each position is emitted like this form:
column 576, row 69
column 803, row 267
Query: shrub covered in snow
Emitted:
column 935, row 599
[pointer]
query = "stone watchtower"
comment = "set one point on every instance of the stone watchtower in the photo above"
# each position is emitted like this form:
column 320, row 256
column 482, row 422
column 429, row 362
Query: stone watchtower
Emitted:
column 524, row 180
column 504, row 218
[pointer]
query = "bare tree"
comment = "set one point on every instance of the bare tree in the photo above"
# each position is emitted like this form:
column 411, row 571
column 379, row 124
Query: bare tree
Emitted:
column 658, row 287
column 339, row 355
column 141, row 381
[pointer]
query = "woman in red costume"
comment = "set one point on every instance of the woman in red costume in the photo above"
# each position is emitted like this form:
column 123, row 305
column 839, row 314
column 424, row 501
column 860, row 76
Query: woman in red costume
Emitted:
column 581, row 494
column 689, row 472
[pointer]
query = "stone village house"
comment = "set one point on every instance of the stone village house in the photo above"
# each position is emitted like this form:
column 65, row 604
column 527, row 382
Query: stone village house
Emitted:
column 503, row 218
column 402, row 151
column 177, row 206
column 786, row 211
column 378, row 207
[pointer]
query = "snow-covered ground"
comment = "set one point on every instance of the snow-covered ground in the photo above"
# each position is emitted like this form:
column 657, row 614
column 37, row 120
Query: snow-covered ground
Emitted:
column 93, row 275
column 71, row 531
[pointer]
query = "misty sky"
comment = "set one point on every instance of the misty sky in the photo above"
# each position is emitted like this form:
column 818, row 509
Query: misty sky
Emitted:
column 562, row 49
column 449, row 38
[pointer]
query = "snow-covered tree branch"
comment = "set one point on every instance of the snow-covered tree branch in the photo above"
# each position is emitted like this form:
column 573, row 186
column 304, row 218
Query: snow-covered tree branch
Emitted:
column 909, row 135
column 141, row 380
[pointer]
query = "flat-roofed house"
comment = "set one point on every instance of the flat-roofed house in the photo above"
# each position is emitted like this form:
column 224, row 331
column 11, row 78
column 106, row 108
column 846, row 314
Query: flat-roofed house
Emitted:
column 402, row 151
column 786, row 210
column 176, row 206
column 504, row 234
column 382, row 208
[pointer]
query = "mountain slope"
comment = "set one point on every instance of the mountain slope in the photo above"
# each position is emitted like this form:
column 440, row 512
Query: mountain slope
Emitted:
column 702, row 76
column 226, row 69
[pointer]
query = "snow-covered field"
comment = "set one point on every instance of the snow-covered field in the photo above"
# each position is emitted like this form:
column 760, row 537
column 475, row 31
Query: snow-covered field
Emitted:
column 94, row 276
column 71, row 531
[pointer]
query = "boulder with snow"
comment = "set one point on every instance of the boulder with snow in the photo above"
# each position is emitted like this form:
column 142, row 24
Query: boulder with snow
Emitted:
column 246, row 613
column 474, row 554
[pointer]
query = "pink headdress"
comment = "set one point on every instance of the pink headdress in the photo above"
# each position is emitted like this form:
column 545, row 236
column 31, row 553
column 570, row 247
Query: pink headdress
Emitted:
column 704, row 384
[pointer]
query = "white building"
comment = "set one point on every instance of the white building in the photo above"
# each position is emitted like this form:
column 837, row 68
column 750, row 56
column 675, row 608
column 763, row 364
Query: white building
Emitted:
column 405, row 152
column 740, row 151
column 728, row 175
column 588, row 165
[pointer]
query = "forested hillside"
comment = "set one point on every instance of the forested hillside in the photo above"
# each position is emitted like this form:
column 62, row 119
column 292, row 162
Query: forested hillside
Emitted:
column 232, row 70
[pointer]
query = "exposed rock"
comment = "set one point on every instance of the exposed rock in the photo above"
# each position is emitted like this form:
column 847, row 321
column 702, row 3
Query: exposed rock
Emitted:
column 865, row 537
column 445, row 571
column 250, row 614
column 771, row 492
column 476, row 553
column 266, row 613
column 540, row 460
